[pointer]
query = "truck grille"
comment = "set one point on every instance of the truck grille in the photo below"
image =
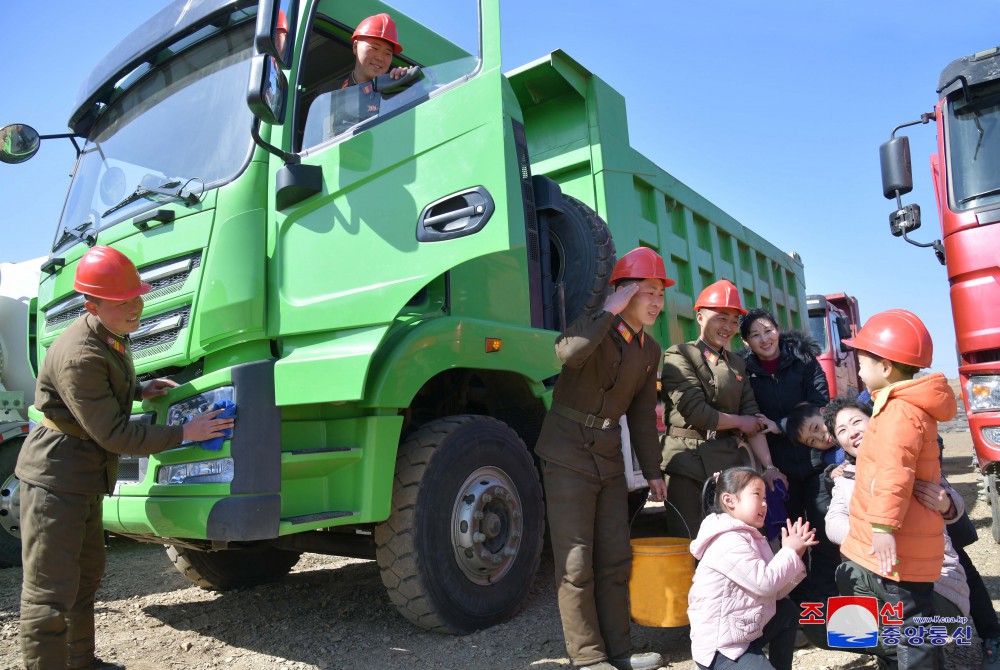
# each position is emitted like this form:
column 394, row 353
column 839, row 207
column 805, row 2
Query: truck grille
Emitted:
column 129, row 468
column 158, row 333
column 165, row 278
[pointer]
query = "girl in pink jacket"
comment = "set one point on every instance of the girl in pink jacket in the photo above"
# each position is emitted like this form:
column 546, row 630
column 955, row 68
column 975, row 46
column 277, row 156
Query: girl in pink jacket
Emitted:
column 737, row 601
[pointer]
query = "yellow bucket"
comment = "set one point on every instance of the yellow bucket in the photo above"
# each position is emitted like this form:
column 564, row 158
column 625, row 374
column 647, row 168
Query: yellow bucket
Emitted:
column 662, row 570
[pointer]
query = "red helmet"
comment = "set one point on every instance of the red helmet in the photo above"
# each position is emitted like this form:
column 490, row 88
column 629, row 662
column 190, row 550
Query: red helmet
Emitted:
column 641, row 263
column 107, row 273
column 381, row 26
column 895, row 334
column 720, row 295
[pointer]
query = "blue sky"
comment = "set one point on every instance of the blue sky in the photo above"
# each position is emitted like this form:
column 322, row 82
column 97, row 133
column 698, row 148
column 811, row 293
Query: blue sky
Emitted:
column 773, row 110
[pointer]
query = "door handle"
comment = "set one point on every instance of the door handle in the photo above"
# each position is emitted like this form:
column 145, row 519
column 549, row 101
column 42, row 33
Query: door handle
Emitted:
column 454, row 220
column 457, row 215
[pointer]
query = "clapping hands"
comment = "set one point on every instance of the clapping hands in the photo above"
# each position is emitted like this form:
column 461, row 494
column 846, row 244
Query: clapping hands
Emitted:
column 798, row 536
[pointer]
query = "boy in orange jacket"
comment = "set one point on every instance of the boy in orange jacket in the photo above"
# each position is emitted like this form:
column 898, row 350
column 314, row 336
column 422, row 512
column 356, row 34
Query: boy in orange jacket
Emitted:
column 895, row 547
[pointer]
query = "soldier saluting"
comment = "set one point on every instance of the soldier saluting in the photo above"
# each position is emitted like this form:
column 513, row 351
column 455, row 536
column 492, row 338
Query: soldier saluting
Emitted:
column 609, row 370
column 69, row 461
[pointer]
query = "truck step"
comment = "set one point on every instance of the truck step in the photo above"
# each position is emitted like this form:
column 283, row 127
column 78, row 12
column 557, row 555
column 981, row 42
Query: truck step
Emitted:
column 310, row 518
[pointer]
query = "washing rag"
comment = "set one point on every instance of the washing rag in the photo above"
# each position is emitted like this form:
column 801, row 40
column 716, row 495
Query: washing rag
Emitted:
column 774, row 519
column 228, row 408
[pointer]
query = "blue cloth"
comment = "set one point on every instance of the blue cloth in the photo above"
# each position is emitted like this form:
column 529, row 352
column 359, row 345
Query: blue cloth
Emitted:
column 774, row 519
column 228, row 408
column 834, row 456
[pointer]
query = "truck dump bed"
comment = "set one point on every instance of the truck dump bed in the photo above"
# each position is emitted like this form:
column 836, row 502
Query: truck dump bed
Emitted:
column 577, row 135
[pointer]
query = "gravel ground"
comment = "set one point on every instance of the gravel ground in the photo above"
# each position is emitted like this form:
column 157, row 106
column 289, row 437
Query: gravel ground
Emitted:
column 333, row 613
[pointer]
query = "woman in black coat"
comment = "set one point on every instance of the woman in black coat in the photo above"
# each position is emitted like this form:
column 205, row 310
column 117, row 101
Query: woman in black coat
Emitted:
column 783, row 373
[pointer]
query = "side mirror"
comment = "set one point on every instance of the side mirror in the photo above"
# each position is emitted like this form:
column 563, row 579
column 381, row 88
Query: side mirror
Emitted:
column 18, row 143
column 897, row 175
column 268, row 90
column 276, row 29
column 843, row 333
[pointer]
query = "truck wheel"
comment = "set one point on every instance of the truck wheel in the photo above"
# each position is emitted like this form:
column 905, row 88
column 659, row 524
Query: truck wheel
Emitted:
column 461, row 547
column 994, row 499
column 232, row 568
column 583, row 256
column 10, row 505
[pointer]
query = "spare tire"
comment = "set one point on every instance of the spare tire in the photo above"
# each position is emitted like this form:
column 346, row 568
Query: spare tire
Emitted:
column 583, row 256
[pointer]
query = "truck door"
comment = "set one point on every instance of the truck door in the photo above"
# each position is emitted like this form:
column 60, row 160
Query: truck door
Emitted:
column 413, row 185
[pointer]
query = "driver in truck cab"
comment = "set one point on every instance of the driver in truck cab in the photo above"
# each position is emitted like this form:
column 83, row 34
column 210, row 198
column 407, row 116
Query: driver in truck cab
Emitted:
column 69, row 461
column 374, row 43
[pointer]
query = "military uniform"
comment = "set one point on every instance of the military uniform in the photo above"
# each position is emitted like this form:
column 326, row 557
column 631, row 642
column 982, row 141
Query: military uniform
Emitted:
column 67, row 465
column 353, row 103
column 608, row 371
column 699, row 383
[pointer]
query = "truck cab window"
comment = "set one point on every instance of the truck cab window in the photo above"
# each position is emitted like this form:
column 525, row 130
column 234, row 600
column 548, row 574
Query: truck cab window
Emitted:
column 327, row 109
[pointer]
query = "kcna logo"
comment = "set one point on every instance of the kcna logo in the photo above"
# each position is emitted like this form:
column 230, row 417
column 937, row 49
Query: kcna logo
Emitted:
column 852, row 622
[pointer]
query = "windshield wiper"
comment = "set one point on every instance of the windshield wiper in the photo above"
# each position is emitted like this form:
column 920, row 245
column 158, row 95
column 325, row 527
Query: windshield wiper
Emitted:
column 992, row 191
column 171, row 189
column 84, row 233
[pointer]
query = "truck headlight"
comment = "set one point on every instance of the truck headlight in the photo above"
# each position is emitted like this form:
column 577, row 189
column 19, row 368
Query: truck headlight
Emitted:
column 983, row 393
column 181, row 412
column 992, row 435
column 217, row 471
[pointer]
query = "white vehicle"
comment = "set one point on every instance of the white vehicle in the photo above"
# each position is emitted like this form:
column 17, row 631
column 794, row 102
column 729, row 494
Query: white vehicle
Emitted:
column 18, row 286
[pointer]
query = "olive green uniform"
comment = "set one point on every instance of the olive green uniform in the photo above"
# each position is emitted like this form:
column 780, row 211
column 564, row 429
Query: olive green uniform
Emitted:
column 67, row 465
column 608, row 371
column 699, row 384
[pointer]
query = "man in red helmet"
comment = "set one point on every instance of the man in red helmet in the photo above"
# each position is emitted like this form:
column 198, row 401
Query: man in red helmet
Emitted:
column 374, row 42
column 609, row 370
column 895, row 547
column 711, row 406
column 69, row 461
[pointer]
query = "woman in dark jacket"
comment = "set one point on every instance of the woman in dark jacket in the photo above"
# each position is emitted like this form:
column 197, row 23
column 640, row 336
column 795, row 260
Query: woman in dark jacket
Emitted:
column 783, row 373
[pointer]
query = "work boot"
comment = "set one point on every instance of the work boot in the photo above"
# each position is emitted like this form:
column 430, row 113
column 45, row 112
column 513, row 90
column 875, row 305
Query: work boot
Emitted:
column 649, row 660
column 599, row 665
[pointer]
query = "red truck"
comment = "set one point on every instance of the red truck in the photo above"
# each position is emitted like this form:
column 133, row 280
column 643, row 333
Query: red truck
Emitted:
column 966, row 176
column 832, row 318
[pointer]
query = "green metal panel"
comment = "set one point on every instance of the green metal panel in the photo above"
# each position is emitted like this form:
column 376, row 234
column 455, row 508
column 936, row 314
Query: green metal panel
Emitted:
column 578, row 135
column 423, row 349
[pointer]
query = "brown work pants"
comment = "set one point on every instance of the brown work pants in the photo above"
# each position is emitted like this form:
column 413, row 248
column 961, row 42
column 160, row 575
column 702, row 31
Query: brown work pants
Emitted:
column 588, row 526
column 62, row 547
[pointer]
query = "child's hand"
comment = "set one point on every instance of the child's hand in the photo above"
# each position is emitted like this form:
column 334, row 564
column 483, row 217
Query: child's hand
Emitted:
column 931, row 496
column 798, row 536
column 884, row 549
column 838, row 471
column 766, row 425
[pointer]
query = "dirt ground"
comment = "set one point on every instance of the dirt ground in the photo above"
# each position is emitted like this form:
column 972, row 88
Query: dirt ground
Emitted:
column 333, row 613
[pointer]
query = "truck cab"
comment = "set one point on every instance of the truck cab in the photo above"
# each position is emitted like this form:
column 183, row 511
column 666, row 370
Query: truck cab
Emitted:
column 966, row 176
column 833, row 318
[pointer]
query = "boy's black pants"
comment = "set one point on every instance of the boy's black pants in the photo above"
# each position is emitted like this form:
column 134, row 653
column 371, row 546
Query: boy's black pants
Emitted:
column 917, row 600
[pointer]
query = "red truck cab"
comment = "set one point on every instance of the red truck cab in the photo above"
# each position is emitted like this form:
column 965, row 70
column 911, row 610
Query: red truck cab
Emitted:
column 833, row 318
column 966, row 174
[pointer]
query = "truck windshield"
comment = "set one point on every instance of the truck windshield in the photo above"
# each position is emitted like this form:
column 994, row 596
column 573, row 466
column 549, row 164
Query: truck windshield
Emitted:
column 818, row 330
column 973, row 141
column 182, row 125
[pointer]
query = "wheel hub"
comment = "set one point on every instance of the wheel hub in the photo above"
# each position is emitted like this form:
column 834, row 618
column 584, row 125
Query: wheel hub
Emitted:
column 10, row 506
column 486, row 527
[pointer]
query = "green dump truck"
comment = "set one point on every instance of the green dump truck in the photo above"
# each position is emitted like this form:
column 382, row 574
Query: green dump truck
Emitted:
column 379, row 295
